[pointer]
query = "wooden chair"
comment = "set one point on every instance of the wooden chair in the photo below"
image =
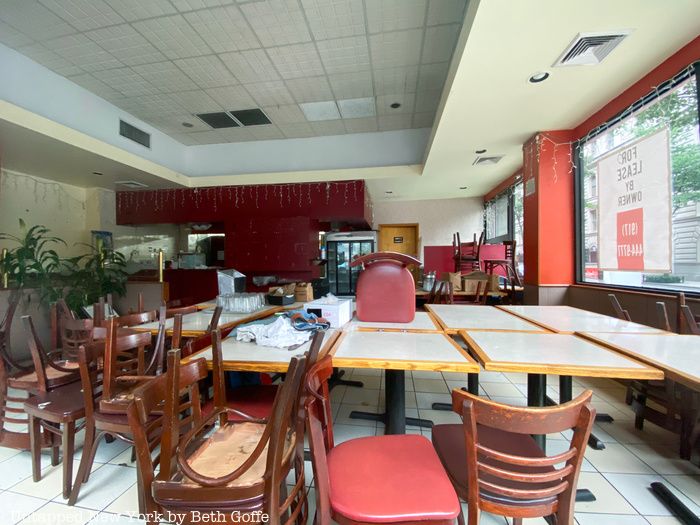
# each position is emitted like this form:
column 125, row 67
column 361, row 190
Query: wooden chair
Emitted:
column 496, row 466
column 442, row 292
column 58, row 312
column 183, row 310
column 620, row 312
column 379, row 479
column 241, row 466
column 136, row 319
column 466, row 255
column 507, row 263
column 662, row 316
column 76, row 332
column 689, row 320
column 215, row 317
column 481, row 293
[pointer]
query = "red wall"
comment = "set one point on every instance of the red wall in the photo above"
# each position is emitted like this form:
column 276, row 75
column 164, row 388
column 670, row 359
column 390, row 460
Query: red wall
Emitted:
column 439, row 258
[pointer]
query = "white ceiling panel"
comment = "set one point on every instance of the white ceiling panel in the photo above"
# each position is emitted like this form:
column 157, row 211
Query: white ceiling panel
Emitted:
column 309, row 89
column 271, row 93
column 34, row 20
column 152, row 106
column 11, row 37
column 126, row 81
column 392, row 122
column 196, row 101
column 93, row 84
column 224, row 29
column 432, row 76
column 329, row 127
column 319, row 111
column 207, row 71
column 344, row 55
column 334, row 18
column 395, row 80
column 439, row 43
column 234, row 135
column 393, row 15
column 250, row 66
column 84, row 14
column 173, row 36
column 44, row 56
column 191, row 5
column 357, row 108
column 277, row 22
column 361, row 125
column 406, row 100
column 232, row 97
column 296, row 60
column 166, row 77
column 266, row 132
column 427, row 101
column 423, row 120
column 289, row 114
column 173, row 123
column 446, row 11
column 352, row 85
column 297, row 130
column 126, row 44
column 138, row 9
column 79, row 49
column 400, row 48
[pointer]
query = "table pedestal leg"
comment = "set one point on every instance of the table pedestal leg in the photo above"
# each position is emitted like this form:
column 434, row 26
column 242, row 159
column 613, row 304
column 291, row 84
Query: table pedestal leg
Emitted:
column 675, row 505
column 394, row 416
column 566, row 395
column 536, row 393
column 472, row 387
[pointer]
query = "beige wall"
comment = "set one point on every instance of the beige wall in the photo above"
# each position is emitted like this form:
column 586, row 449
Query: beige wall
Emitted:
column 437, row 219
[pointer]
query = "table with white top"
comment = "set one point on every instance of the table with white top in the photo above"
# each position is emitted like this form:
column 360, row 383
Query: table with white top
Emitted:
column 195, row 324
column 240, row 356
column 568, row 320
column 455, row 317
column 422, row 322
column 396, row 352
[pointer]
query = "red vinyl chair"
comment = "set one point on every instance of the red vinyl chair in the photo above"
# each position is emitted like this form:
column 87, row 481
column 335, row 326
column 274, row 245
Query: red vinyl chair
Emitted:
column 395, row 479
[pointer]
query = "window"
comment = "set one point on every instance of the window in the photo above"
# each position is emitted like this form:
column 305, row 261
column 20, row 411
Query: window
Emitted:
column 504, row 220
column 639, row 191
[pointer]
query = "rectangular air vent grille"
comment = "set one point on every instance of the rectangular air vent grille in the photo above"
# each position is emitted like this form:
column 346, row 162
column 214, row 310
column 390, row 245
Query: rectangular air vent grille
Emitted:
column 589, row 49
column 134, row 185
column 130, row 132
column 218, row 120
column 487, row 161
column 251, row 117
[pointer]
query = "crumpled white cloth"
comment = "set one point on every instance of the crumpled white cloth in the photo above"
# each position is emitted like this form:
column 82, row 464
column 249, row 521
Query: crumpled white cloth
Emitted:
column 280, row 334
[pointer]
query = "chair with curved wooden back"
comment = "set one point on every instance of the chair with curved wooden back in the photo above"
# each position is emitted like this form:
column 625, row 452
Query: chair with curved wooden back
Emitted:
column 496, row 466
column 689, row 320
column 508, row 264
column 442, row 292
column 183, row 310
column 379, row 479
column 76, row 332
column 620, row 312
column 215, row 317
column 241, row 466
column 662, row 315
column 467, row 255
column 136, row 319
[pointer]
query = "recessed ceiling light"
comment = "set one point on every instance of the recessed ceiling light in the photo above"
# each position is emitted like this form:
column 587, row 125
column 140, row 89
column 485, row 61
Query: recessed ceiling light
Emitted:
column 480, row 151
column 98, row 173
column 539, row 77
column 316, row 111
column 357, row 107
column 187, row 124
column 395, row 105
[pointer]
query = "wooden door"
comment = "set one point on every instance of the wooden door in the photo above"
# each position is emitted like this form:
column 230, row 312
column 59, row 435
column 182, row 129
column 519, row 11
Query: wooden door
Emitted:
column 401, row 238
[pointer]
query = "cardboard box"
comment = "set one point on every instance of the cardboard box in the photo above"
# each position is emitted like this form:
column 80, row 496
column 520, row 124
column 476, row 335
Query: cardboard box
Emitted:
column 470, row 281
column 337, row 314
column 304, row 292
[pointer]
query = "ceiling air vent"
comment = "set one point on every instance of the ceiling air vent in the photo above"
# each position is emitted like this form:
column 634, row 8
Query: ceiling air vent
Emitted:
column 218, row 120
column 487, row 161
column 589, row 49
column 130, row 132
column 132, row 184
column 250, row 117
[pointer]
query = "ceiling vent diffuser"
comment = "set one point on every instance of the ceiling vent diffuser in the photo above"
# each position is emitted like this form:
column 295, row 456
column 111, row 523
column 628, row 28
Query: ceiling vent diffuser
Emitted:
column 132, row 184
column 589, row 49
column 487, row 161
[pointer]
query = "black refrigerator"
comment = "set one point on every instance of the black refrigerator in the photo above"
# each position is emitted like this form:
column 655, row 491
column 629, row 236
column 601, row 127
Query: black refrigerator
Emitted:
column 341, row 250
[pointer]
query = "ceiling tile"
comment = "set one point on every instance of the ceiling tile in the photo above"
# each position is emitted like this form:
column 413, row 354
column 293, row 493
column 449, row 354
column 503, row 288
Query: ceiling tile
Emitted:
column 361, row 125
column 267, row 132
column 297, row 60
column 34, row 20
column 427, row 100
column 186, row 139
column 344, row 55
column 196, row 101
column 432, row 76
column 297, row 130
column 328, row 127
column 309, row 89
column 277, row 22
column 395, row 80
column 232, row 97
column 288, row 114
column 357, row 107
column 271, row 93
column 423, row 120
column 446, row 11
column 392, row 122
column 79, row 49
column 352, row 85
column 173, row 123
column 84, row 14
column 148, row 107
column 166, row 77
column 126, row 81
column 208, row 71
column 401, row 48
column 250, row 66
column 11, row 37
column 439, row 43
column 334, row 18
column 236, row 135
column 96, row 86
column 191, row 5
column 384, row 103
column 213, row 136
column 173, row 36
column 133, row 10
column 392, row 15
column 47, row 58
column 224, row 29
column 126, row 44
column 318, row 111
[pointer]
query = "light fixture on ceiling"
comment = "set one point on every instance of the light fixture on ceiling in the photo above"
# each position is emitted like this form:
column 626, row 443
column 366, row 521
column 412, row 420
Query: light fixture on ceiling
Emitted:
column 538, row 77
column 395, row 105
column 187, row 124
column 480, row 151
column 317, row 111
column 462, row 187
column 357, row 107
column 98, row 173
column 388, row 192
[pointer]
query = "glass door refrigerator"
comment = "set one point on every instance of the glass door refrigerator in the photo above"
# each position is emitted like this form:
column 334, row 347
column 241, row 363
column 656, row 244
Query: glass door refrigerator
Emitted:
column 342, row 249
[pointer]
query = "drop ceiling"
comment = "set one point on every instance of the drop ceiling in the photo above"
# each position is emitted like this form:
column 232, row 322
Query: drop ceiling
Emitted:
column 166, row 60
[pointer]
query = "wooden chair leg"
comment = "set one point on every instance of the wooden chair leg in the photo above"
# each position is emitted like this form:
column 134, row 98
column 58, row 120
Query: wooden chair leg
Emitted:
column 54, row 450
column 68, row 446
column 35, row 446
column 473, row 514
column 86, row 462
column 460, row 518
column 517, row 521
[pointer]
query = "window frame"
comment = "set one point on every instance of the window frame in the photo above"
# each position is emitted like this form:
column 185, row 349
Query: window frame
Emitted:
column 690, row 71
column 510, row 194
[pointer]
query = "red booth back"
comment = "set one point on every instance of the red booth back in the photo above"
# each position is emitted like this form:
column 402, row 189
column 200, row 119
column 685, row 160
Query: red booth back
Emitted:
column 386, row 291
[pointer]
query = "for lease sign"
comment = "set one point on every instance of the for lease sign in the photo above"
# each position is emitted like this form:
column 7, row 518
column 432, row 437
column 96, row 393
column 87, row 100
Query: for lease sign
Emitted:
column 634, row 206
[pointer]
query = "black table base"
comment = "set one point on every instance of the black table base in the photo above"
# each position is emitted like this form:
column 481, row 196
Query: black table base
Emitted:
column 337, row 380
column 675, row 505
column 472, row 388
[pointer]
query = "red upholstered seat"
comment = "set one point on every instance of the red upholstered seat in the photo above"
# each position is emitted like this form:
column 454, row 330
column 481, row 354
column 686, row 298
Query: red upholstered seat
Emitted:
column 254, row 400
column 387, row 479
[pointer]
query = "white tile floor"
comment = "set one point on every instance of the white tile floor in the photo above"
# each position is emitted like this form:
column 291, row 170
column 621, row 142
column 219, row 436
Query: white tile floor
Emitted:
column 619, row 476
